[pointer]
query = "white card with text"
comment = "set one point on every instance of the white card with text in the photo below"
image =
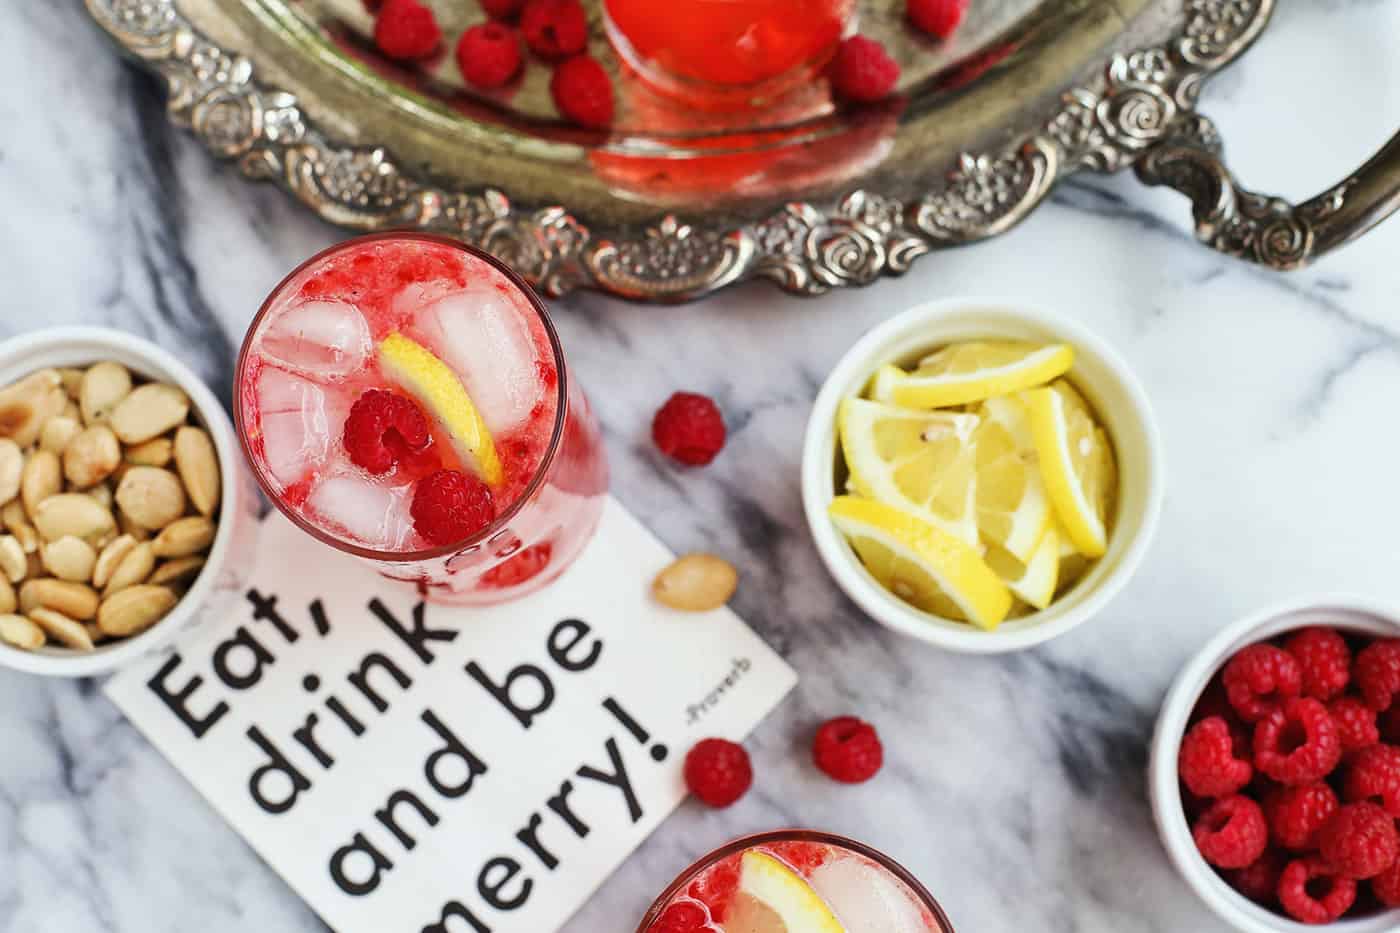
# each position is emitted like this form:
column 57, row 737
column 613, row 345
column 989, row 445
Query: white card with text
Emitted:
column 412, row 768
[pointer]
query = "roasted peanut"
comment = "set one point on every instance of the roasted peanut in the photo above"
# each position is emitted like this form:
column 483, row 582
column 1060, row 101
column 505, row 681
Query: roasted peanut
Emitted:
column 696, row 583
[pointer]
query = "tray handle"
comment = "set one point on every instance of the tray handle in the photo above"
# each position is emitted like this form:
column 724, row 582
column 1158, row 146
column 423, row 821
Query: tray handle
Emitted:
column 1269, row 230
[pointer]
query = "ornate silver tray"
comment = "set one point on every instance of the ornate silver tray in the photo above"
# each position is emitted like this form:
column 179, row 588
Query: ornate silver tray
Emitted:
column 674, row 205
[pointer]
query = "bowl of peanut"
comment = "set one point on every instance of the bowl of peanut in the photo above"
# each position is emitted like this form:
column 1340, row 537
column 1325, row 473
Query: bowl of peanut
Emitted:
column 123, row 508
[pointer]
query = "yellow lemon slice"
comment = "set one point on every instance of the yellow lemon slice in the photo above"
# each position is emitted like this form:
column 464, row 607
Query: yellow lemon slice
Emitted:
column 437, row 387
column 1035, row 580
column 972, row 371
column 1076, row 462
column 1013, row 510
column 772, row 898
column 919, row 461
column 921, row 563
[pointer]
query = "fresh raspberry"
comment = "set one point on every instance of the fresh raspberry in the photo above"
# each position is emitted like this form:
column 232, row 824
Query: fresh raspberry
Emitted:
column 488, row 55
column 1207, row 762
column 1386, row 886
column 1297, row 744
column 718, row 772
column 862, row 71
column 502, row 9
column 1374, row 775
column 848, row 750
column 937, row 17
column 1258, row 881
column 406, row 29
column 451, row 506
column 1359, row 841
column 1295, row 814
column 1377, row 673
column 1356, row 723
column 583, row 92
column 1324, row 658
column 689, row 429
column 554, row 29
column 1311, row 892
column 382, row 429
column 1232, row 833
column 681, row 917
column 1258, row 680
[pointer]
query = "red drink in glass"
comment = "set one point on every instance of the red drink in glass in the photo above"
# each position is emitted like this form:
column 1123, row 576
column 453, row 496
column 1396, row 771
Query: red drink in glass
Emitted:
column 318, row 345
column 795, row 880
column 727, row 51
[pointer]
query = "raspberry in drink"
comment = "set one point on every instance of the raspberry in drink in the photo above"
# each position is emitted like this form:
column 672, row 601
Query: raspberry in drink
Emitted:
column 795, row 881
column 404, row 398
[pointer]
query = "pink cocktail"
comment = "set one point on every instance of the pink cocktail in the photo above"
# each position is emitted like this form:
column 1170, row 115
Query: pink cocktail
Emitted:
column 404, row 398
column 795, row 880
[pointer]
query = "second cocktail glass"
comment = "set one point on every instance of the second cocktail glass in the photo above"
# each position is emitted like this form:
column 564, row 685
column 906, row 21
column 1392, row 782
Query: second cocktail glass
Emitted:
column 449, row 331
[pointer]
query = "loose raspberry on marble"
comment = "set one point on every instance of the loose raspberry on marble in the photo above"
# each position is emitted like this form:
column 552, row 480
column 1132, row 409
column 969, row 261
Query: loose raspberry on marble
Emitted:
column 1297, row 744
column 689, row 429
column 1232, row 833
column 1207, row 762
column 1386, row 886
column 938, row 18
column 1377, row 673
column 583, row 92
column 450, row 506
column 406, row 29
column 1359, row 841
column 1259, row 678
column 1325, row 660
column 1311, row 892
column 1374, row 775
column 1296, row 814
column 488, row 55
column 848, row 750
column 554, row 29
column 1356, row 723
column 862, row 71
column 382, row 429
column 1258, row 881
column 718, row 772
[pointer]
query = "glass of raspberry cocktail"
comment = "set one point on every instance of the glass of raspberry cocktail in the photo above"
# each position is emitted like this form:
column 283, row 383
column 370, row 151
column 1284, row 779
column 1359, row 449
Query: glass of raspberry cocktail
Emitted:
column 795, row 881
column 403, row 397
column 727, row 52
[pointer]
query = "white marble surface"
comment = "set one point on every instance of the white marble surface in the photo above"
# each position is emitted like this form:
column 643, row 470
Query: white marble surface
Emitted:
column 1015, row 785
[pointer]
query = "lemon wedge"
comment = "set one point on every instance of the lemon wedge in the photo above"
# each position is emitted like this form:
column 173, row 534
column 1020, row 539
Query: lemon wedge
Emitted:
column 921, row 563
column 1033, row 581
column 1013, row 510
column 920, row 461
column 1076, row 462
column 438, row 389
column 1073, row 564
column 972, row 371
column 772, row 898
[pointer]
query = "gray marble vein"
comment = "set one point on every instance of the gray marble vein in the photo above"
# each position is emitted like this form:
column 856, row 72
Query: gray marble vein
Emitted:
column 1014, row 786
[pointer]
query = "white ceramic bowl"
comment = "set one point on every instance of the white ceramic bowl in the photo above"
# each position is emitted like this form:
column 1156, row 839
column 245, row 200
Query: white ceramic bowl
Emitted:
column 230, row 553
column 1104, row 380
column 1164, row 790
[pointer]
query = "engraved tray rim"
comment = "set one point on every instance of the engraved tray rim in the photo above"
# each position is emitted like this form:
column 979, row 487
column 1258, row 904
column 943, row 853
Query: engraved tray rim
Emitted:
column 1138, row 101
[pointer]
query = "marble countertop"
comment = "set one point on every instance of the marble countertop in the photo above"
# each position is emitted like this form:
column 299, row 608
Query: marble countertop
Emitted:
column 1014, row 785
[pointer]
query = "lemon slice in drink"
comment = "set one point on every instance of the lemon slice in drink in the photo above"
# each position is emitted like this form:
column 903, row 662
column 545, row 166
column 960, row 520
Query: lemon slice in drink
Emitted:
column 1076, row 462
column 1034, row 581
column 921, row 563
column 919, row 461
column 772, row 898
column 972, row 371
column 437, row 388
column 1013, row 510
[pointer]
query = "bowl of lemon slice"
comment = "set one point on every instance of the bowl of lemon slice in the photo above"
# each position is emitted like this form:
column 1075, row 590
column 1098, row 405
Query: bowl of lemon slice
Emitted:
column 981, row 475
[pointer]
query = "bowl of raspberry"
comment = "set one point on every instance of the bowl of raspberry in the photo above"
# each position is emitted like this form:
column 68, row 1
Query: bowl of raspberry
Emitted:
column 1275, row 769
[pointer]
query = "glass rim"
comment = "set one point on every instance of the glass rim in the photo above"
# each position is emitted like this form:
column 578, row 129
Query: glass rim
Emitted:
column 504, row 518
column 735, row 846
